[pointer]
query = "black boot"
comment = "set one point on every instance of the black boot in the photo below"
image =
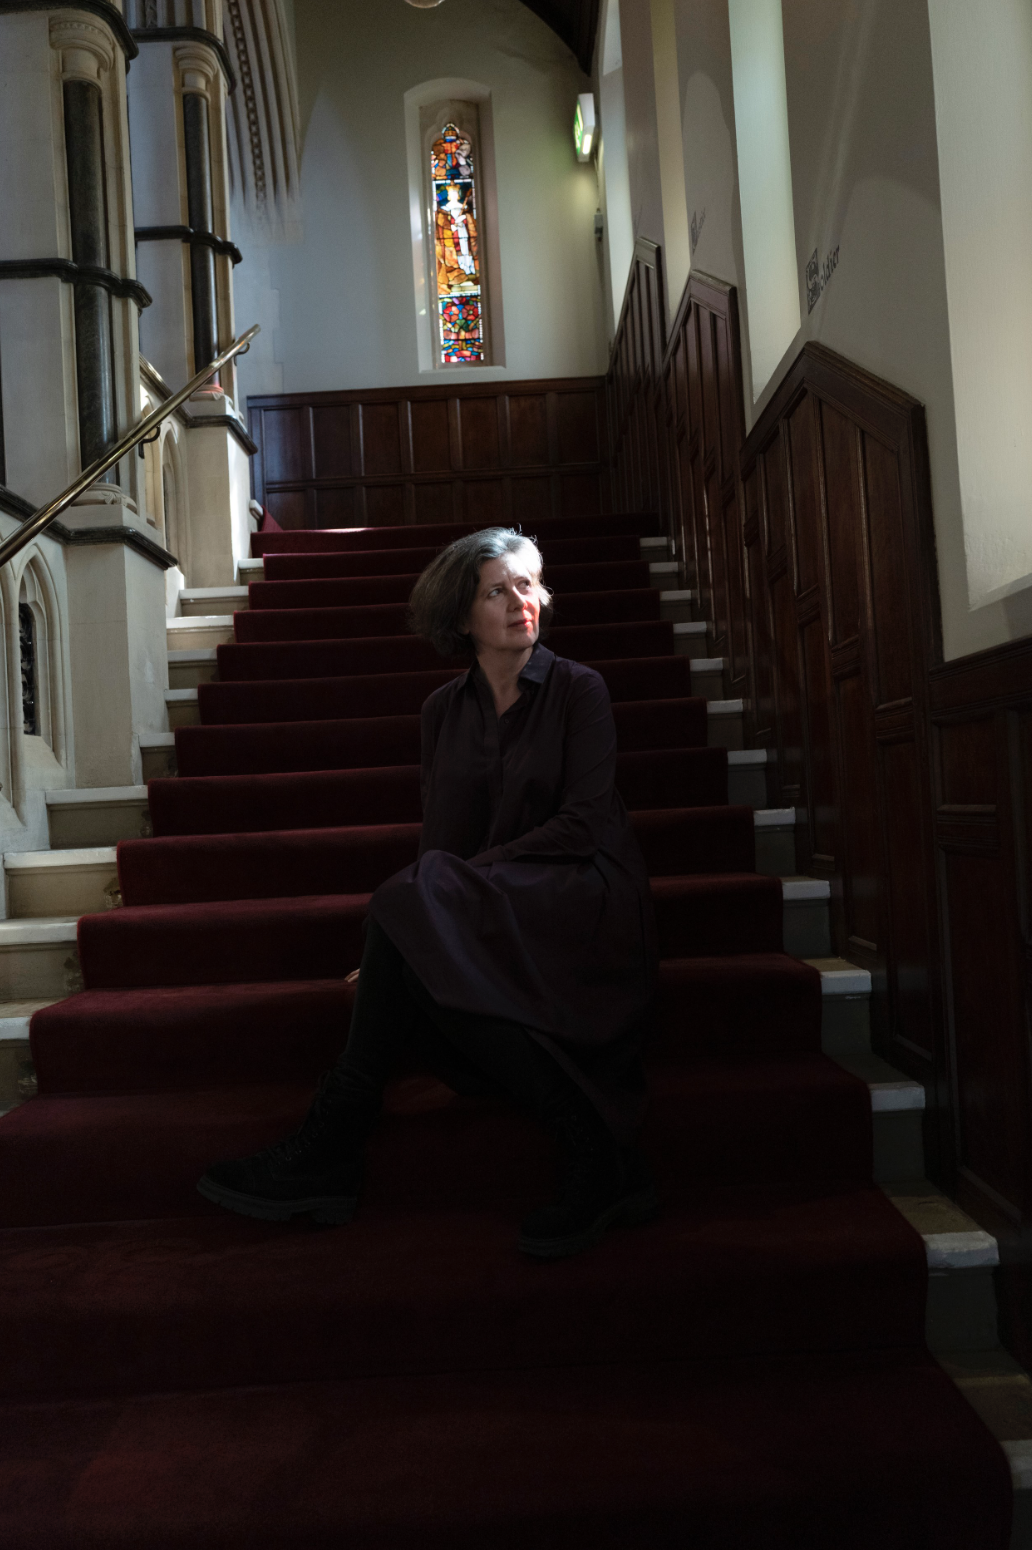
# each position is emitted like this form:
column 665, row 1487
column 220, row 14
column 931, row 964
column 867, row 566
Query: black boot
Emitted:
column 602, row 1185
column 317, row 1171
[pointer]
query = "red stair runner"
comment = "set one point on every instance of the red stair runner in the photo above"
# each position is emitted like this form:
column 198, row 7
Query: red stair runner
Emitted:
column 748, row 1371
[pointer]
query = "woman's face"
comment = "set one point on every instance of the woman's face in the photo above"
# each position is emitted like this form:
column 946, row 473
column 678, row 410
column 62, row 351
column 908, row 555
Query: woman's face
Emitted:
column 507, row 607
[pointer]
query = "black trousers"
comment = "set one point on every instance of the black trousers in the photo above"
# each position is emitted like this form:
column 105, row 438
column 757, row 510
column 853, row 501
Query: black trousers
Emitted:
column 394, row 1014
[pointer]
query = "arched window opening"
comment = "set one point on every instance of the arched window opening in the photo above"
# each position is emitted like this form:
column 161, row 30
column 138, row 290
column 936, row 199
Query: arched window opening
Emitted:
column 174, row 523
column 38, row 690
column 27, row 642
column 453, row 220
column 168, row 494
column 457, row 248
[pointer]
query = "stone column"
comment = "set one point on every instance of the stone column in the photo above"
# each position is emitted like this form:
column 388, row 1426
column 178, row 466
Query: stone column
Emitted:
column 87, row 219
column 177, row 102
column 69, row 302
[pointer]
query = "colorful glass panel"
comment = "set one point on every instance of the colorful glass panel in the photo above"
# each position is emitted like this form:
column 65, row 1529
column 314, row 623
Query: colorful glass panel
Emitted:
column 456, row 248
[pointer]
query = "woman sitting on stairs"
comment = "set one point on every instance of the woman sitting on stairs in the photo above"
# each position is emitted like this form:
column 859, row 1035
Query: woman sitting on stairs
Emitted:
column 518, row 953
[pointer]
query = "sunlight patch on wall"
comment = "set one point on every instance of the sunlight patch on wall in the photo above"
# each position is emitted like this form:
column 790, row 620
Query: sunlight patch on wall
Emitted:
column 765, row 183
column 982, row 68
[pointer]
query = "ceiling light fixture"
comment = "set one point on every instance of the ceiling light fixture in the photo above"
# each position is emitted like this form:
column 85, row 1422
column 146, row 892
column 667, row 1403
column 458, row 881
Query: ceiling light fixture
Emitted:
column 424, row 5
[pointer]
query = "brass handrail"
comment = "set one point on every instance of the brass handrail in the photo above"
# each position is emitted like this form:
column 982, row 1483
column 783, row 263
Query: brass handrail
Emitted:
column 41, row 519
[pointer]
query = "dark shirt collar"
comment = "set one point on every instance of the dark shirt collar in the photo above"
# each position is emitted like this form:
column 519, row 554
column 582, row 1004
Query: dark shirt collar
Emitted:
column 535, row 672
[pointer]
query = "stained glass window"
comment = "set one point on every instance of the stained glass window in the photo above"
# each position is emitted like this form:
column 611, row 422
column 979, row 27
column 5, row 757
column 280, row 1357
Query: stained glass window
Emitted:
column 457, row 248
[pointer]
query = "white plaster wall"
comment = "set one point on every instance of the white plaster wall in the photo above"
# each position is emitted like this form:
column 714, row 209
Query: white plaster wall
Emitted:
column 640, row 116
column 865, row 174
column 764, row 182
column 338, row 304
column 983, row 111
column 617, row 248
column 865, row 181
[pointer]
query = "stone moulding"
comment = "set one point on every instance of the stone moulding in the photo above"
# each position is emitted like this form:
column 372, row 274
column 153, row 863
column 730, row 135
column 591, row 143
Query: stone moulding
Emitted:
column 263, row 118
column 191, row 35
column 18, row 506
column 75, row 274
column 102, row 8
column 221, row 245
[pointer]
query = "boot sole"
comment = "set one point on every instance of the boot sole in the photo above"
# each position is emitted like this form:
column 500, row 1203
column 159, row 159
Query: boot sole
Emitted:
column 631, row 1211
column 332, row 1210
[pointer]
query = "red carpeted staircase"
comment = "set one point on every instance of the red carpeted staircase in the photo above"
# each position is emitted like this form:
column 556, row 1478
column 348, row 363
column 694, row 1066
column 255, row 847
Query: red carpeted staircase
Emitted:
column 748, row 1371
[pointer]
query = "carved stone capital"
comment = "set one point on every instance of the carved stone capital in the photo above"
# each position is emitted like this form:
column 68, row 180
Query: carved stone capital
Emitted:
column 87, row 49
column 198, row 68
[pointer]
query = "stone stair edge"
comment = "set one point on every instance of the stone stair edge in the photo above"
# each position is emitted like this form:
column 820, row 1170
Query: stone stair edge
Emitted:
column 59, row 860
column 180, row 622
column 231, row 589
column 89, row 795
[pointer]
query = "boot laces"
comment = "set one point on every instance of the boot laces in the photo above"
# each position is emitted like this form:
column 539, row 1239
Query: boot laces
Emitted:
column 313, row 1127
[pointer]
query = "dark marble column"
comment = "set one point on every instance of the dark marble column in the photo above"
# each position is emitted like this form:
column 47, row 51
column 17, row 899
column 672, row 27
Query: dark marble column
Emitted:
column 94, row 366
column 201, row 216
column 3, row 458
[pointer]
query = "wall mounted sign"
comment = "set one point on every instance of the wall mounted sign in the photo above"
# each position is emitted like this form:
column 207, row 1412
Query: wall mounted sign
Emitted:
column 818, row 276
column 584, row 126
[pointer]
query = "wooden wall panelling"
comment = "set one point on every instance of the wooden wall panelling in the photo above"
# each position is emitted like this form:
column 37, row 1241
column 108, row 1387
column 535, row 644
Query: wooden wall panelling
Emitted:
column 701, row 499
column 634, row 391
column 981, row 713
column 812, row 546
column 474, row 452
column 838, row 463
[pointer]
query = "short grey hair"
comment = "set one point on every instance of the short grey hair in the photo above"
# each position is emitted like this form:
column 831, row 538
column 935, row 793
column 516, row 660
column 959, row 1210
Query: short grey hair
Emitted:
column 445, row 592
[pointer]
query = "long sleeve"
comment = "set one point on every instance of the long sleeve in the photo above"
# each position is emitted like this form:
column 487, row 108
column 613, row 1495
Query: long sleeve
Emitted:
column 589, row 776
column 429, row 726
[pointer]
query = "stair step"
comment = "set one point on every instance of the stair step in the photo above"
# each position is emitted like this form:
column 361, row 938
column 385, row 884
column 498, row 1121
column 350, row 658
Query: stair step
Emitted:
column 726, row 729
column 690, row 640
column 690, row 635
column 198, row 601
column 962, row 1259
column 61, row 882
column 840, row 978
column 38, row 958
column 807, row 916
column 187, row 669
column 746, row 772
column 181, row 708
column 845, row 1009
column 676, row 604
column 471, row 1460
column 17, row 1081
column 158, row 754
column 665, row 568
column 1001, row 1393
column 775, row 841
column 96, row 815
column 204, row 631
column 334, row 658
column 808, row 1236
column 311, row 936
